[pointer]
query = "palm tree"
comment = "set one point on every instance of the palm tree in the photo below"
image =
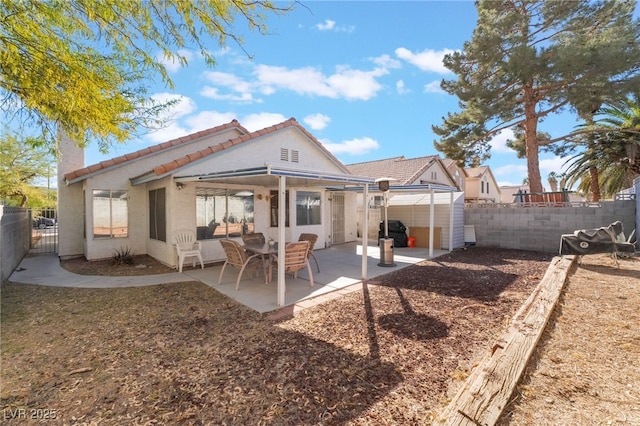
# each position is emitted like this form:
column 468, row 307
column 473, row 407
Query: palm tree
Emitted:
column 611, row 158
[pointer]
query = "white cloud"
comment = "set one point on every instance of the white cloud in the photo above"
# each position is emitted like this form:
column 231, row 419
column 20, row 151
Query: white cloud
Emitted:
column 555, row 164
column 433, row 87
column 386, row 61
column 172, row 64
column 499, row 142
column 242, row 89
column 317, row 121
column 208, row 119
column 511, row 174
column 183, row 105
column 400, row 87
column 353, row 146
column 344, row 83
column 327, row 25
column 258, row 121
column 427, row 60
column 330, row 25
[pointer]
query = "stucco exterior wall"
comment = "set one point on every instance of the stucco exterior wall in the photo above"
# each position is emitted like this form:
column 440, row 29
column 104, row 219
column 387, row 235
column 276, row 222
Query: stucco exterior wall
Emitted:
column 70, row 201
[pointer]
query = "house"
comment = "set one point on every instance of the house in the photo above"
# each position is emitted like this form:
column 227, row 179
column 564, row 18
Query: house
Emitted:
column 220, row 182
column 457, row 173
column 423, row 196
column 406, row 171
column 509, row 193
column 481, row 186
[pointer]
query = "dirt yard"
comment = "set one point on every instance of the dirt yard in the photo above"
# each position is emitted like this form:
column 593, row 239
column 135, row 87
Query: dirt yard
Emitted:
column 586, row 370
column 394, row 353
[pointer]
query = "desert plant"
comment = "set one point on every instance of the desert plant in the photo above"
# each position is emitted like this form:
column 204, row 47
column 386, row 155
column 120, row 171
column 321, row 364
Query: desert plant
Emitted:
column 123, row 256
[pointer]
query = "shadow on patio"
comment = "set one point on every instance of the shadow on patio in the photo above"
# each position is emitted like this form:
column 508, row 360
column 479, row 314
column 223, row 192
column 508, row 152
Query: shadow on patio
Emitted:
column 340, row 268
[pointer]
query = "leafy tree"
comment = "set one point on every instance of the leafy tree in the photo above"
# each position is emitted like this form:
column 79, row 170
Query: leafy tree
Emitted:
column 85, row 65
column 610, row 159
column 529, row 59
column 22, row 164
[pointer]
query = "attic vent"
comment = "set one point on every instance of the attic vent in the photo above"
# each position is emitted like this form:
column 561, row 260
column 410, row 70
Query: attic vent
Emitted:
column 284, row 154
column 294, row 155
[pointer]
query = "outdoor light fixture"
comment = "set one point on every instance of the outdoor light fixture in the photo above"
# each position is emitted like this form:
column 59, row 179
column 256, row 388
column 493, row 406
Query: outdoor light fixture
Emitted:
column 180, row 185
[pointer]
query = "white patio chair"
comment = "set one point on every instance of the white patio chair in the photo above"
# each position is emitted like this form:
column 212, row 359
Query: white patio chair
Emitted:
column 186, row 246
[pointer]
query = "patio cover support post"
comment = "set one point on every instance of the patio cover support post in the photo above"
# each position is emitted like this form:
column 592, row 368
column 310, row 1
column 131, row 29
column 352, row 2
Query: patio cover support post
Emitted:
column 365, row 229
column 432, row 212
column 282, row 202
column 451, row 216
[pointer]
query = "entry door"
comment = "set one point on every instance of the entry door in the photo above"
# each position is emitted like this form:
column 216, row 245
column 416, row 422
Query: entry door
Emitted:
column 338, row 219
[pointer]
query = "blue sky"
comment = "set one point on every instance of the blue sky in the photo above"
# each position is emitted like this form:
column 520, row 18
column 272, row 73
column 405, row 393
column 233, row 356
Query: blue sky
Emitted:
column 362, row 76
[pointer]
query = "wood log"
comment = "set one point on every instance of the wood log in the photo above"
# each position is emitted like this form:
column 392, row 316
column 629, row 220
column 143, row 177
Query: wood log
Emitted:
column 486, row 392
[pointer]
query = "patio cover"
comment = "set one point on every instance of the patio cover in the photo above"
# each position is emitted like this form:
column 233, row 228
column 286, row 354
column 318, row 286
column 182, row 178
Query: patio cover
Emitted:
column 268, row 176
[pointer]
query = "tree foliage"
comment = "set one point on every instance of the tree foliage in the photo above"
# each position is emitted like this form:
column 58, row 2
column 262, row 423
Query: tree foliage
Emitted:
column 529, row 59
column 23, row 165
column 611, row 156
column 86, row 65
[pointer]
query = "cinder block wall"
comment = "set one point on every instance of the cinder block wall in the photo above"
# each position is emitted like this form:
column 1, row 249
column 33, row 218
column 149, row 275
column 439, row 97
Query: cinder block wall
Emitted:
column 15, row 238
column 540, row 228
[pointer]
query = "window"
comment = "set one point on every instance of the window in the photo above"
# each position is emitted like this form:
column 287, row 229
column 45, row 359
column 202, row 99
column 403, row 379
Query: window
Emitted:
column 110, row 214
column 482, row 187
column 157, row 215
column 308, row 208
column 274, row 206
column 222, row 213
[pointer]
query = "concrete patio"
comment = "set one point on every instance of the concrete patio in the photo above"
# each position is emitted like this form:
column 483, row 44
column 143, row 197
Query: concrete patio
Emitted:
column 340, row 269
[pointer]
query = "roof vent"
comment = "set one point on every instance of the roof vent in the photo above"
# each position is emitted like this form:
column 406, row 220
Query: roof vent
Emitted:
column 284, row 154
column 294, row 156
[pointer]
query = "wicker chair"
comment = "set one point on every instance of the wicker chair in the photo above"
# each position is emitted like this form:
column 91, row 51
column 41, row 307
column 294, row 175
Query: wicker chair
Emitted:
column 187, row 246
column 238, row 258
column 312, row 238
column 296, row 257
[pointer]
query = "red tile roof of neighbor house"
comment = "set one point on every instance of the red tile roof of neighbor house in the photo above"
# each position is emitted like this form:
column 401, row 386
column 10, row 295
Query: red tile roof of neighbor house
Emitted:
column 404, row 170
column 182, row 161
column 107, row 164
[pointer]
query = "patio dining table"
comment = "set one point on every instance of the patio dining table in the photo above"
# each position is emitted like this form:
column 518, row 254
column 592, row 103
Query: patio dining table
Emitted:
column 267, row 251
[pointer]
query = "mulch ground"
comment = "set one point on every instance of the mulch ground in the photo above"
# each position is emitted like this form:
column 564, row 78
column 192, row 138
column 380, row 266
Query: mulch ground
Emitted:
column 393, row 353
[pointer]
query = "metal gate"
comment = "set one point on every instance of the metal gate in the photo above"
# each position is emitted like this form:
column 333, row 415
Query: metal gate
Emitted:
column 338, row 218
column 44, row 231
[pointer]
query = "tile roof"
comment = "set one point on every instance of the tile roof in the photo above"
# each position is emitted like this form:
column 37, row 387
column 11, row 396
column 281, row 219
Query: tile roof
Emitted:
column 476, row 172
column 404, row 170
column 107, row 164
column 173, row 165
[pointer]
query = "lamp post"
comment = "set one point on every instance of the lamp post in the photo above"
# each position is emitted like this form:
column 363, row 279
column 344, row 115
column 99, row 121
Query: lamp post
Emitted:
column 385, row 243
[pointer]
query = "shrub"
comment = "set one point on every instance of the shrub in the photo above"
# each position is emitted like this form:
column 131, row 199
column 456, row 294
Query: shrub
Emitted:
column 123, row 256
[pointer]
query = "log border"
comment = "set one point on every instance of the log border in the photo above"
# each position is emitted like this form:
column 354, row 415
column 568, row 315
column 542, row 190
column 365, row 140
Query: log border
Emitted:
column 486, row 392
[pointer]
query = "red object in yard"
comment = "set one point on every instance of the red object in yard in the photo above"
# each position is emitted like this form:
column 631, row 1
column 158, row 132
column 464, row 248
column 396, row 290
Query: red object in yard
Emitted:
column 411, row 242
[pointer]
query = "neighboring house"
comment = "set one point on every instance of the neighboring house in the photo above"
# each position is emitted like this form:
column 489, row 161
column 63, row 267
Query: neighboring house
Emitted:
column 406, row 171
column 411, row 201
column 220, row 183
column 457, row 173
column 508, row 193
column 481, row 186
